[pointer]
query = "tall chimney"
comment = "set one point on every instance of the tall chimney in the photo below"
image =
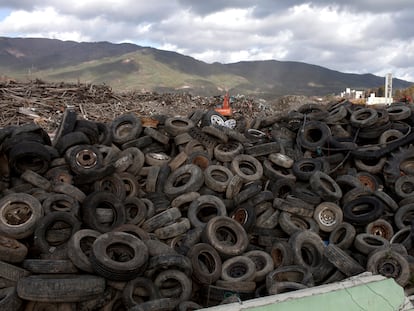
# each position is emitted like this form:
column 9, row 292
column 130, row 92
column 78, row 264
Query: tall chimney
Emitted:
column 388, row 88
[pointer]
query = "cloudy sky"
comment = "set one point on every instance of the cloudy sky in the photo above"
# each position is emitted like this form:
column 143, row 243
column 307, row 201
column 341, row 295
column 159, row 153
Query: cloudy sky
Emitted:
column 360, row 36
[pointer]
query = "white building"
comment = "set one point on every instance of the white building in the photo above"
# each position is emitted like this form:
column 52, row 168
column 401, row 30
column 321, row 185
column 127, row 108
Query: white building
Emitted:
column 387, row 99
column 372, row 100
column 352, row 94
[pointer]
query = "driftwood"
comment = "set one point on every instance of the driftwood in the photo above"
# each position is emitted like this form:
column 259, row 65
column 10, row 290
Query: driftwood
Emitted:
column 44, row 103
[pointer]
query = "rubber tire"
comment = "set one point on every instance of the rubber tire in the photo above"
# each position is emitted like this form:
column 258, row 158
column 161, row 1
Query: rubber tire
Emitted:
column 132, row 125
column 79, row 251
column 290, row 273
column 216, row 133
column 343, row 236
column 173, row 261
column 237, row 231
column 372, row 168
column 182, row 278
column 364, row 117
column 9, row 299
column 162, row 304
column 328, row 216
column 281, row 253
column 136, row 210
column 132, row 187
column 191, row 238
column 313, row 135
column 375, row 212
column 380, row 227
column 226, row 152
column 71, row 139
column 157, row 135
column 46, row 223
column 269, row 219
column 111, row 184
column 60, row 287
column 380, row 261
column 157, row 159
column 363, row 245
column 291, row 223
column 140, row 143
column 318, row 184
column 281, row 159
column 206, row 202
column 304, row 168
column 173, row 230
column 89, row 128
column 255, row 171
column 70, row 190
column 106, row 200
column 308, row 241
column 238, row 269
column 404, row 216
column 66, row 125
column 217, row 177
column 177, row 125
column 104, row 134
column 193, row 183
column 263, row 262
column 342, row 261
column 25, row 228
column 285, row 287
column 183, row 201
column 263, row 149
column 245, row 286
column 403, row 186
column 392, row 169
column 161, row 219
column 49, row 266
column 36, row 180
column 11, row 250
column 306, row 194
column 282, row 187
column 188, row 306
column 117, row 269
column 246, row 216
column 128, row 296
column 398, row 112
column 29, row 155
column 204, row 254
column 199, row 158
column 294, row 206
column 59, row 202
column 209, row 116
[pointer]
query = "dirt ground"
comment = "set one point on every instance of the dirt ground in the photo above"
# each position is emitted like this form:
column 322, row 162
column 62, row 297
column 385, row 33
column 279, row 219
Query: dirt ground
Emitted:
column 44, row 103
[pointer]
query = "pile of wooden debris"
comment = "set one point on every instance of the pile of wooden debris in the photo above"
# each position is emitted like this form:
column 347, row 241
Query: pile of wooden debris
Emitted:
column 44, row 103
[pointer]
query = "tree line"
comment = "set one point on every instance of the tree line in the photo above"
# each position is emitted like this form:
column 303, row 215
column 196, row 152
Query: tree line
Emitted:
column 404, row 93
column 398, row 94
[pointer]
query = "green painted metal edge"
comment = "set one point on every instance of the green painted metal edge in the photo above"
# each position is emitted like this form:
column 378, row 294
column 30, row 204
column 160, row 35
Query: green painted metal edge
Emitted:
column 364, row 292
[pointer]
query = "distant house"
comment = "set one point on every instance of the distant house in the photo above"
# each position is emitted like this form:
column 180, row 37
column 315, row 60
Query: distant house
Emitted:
column 352, row 94
column 371, row 99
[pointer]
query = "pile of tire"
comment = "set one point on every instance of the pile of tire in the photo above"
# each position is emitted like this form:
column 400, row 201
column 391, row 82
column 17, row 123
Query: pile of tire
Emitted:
column 180, row 213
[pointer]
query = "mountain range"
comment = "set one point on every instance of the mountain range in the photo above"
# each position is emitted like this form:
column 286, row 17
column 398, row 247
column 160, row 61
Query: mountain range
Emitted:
column 130, row 67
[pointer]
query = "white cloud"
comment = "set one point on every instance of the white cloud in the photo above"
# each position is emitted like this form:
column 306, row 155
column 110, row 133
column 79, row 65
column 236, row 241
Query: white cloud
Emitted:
column 42, row 23
column 361, row 36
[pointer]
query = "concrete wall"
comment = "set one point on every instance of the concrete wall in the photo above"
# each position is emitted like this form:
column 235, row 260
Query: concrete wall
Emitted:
column 364, row 292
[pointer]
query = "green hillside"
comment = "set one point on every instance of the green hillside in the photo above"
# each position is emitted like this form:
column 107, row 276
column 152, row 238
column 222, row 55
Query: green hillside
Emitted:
column 135, row 71
column 132, row 67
